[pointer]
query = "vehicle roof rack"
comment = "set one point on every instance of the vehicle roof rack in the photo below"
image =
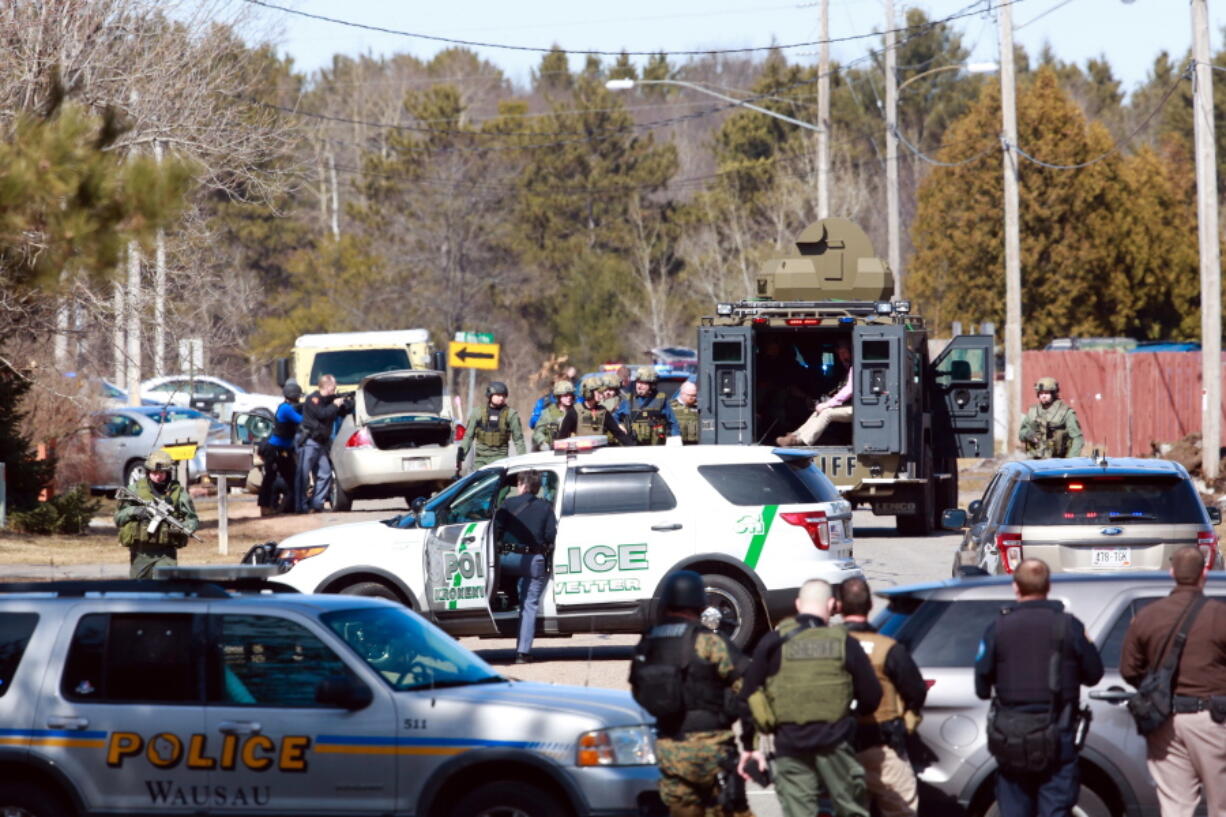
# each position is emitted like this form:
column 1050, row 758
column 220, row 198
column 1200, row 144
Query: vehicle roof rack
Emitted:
column 84, row 587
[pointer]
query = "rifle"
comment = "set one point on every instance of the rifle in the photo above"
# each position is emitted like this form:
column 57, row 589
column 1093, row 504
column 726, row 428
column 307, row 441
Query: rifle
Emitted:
column 161, row 510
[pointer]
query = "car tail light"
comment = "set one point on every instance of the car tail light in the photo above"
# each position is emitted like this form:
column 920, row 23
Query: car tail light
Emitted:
column 459, row 432
column 1009, row 546
column 360, row 439
column 814, row 523
column 1206, row 541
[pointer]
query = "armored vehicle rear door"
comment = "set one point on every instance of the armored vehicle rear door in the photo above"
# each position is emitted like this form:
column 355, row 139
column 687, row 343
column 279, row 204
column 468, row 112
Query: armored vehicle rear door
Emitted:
column 960, row 385
column 878, row 424
column 726, row 370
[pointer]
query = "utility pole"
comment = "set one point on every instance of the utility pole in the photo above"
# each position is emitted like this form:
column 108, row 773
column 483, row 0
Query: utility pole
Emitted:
column 159, row 288
column 1013, row 251
column 119, row 307
column 1207, row 230
column 133, row 321
column 823, row 116
column 891, row 151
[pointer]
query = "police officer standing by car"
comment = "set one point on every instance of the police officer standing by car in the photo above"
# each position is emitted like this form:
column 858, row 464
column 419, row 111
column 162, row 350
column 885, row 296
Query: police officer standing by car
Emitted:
column 1035, row 657
column 1187, row 753
column 685, row 409
column 525, row 528
column 881, row 738
column 491, row 429
column 646, row 412
column 687, row 676
column 1050, row 428
column 278, row 451
column 146, row 549
column 810, row 672
column 319, row 415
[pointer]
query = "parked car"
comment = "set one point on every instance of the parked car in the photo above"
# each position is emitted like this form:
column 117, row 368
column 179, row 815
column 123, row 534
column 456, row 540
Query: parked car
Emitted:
column 756, row 522
column 1083, row 514
column 123, row 438
column 941, row 623
column 399, row 440
column 209, row 394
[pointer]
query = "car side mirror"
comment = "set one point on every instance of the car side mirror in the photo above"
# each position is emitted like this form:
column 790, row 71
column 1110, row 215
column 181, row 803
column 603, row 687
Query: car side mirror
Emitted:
column 343, row 692
column 426, row 519
column 417, row 504
column 973, row 509
column 953, row 519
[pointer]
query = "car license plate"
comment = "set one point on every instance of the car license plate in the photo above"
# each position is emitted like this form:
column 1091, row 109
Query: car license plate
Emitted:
column 1111, row 557
column 415, row 464
column 895, row 508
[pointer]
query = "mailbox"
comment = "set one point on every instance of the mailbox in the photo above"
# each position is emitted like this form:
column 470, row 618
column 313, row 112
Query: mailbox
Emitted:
column 230, row 460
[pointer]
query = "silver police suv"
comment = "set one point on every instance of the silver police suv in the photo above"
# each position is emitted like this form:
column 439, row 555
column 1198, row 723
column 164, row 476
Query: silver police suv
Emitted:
column 1084, row 515
column 942, row 623
column 180, row 697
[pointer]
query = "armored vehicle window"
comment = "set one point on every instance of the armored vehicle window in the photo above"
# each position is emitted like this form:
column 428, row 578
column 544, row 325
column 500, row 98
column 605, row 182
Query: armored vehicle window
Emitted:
column 349, row 366
column 1106, row 500
column 946, row 633
column 15, row 632
column 963, row 366
column 132, row 658
column 268, row 661
column 769, row 483
column 727, row 351
column 876, row 351
column 622, row 492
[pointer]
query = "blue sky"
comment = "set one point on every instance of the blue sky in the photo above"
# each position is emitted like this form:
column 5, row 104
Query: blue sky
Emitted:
column 1130, row 35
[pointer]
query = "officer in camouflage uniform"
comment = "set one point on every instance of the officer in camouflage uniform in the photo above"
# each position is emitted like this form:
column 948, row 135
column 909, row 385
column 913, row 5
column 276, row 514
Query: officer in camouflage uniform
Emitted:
column 593, row 416
column 610, row 392
column 491, row 430
column 1050, row 429
column 685, row 409
column 647, row 413
column 696, row 748
column 550, row 422
column 148, row 550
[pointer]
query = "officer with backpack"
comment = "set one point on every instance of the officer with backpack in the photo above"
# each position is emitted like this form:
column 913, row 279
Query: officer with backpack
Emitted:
column 687, row 676
column 1032, row 661
column 800, row 687
column 1187, row 742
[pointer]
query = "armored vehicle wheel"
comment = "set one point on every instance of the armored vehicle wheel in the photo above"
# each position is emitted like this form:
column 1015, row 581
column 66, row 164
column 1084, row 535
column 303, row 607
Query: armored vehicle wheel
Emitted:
column 920, row 522
column 341, row 501
column 507, row 798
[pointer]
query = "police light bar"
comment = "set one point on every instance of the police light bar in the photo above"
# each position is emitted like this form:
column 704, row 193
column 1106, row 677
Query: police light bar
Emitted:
column 586, row 443
column 723, row 309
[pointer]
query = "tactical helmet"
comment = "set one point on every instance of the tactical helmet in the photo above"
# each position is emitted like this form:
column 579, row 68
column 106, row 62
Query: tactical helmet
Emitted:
column 497, row 387
column 646, row 374
column 159, row 461
column 591, row 384
column 292, row 390
column 683, row 590
column 563, row 387
column 1047, row 384
column 612, row 381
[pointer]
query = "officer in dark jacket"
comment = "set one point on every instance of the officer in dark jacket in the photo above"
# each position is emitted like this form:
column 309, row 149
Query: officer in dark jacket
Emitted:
column 687, row 676
column 525, row 528
column 278, row 451
column 1016, row 658
column 646, row 412
column 319, row 414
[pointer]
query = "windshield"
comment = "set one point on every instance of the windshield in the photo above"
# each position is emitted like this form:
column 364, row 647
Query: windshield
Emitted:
column 408, row 652
column 1114, row 499
column 349, row 366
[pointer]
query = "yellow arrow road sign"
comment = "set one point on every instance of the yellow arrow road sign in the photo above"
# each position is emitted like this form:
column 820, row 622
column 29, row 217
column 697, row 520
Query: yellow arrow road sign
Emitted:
column 472, row 355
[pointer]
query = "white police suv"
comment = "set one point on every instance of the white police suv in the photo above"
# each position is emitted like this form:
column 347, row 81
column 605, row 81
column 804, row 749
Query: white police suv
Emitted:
column 755, row 521
column 179, row 697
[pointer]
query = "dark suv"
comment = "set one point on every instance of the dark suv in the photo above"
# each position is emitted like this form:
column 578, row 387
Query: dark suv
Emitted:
column 1084, row 515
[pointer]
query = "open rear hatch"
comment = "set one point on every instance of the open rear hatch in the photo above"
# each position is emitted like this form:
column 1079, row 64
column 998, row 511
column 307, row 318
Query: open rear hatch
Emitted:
column 403, row 409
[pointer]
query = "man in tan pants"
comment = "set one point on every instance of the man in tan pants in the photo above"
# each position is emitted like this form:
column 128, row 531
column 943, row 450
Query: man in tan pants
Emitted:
column 881, row 738
column 836, row 409
column 1187, row 754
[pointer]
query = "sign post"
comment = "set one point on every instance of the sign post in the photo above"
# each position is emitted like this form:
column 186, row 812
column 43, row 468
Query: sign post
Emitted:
column 472, row 351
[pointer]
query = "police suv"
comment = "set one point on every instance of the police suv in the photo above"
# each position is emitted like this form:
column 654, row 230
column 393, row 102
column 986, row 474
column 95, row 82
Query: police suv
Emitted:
column 178, row 697
column 756, row 522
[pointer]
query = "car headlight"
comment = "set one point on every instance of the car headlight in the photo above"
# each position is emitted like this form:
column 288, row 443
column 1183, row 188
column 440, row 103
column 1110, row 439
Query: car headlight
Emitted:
column 292, row 556
column 620, row 746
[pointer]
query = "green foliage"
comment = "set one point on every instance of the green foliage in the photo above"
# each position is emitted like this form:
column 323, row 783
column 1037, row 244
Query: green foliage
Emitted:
column 68, row 512
column 25, row 475
column 553, row 77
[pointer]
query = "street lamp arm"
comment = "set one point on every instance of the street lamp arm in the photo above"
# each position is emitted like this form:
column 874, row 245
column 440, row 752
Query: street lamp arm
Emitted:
column 973, row 68
column 626, row 84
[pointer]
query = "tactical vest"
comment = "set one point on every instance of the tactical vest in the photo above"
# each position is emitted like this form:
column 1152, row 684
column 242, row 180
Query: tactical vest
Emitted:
column 136, row 533
column 647, row 423
column 812, row 684
column 877, row 647
column 496, row 434
column 591, row 421
column 1051, row 426
column 687, row 418
column 285, row 429
column 706, row 703
column 549, row 424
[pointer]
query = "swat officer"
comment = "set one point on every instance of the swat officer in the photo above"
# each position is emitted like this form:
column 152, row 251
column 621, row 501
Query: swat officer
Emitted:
column 279, row 452
column 685, row 409
column 646, row 413
column 611, row 394
column 593, row 417
column 1187, row 754
column 881, row 738
column 147, row 550
column 1050, row 429
column 810, row 672
column 687, row 676
column 554, row 415
column 1035, row 656
column 491, row 430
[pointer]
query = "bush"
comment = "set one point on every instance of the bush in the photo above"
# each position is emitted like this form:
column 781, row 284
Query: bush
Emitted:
column 69, row 512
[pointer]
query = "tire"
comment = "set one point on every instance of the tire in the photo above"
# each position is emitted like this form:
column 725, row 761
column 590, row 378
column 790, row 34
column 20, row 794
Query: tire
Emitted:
column 341, row 501
column 1089, row 804
column 377, row 590
column 134, row 470
column 29, row 800
column 739, row 609
column 947, row 497
column 505, row 798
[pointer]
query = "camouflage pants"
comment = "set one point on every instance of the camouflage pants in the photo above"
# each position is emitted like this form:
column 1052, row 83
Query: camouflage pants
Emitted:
column 689, row 778
column 144, row 559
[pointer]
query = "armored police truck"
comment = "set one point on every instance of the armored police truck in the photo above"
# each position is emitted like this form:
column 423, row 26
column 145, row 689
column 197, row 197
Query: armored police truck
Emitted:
column 765, row 362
